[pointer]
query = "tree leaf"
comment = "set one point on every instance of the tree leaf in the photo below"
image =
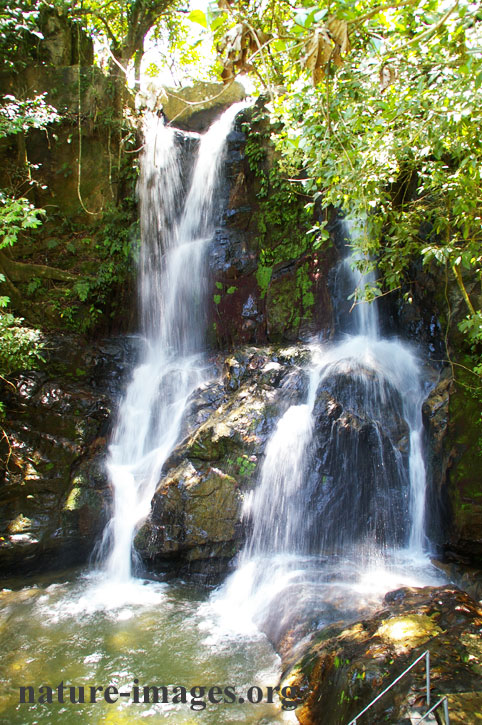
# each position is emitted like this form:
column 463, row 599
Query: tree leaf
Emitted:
column 199, row 17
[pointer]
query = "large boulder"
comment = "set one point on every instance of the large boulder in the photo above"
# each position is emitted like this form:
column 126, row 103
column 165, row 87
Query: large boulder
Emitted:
column 195, row 519
column 192, row 108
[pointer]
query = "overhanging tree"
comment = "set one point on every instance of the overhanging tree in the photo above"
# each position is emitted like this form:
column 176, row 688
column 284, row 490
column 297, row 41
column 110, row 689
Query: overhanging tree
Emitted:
column 381, row 107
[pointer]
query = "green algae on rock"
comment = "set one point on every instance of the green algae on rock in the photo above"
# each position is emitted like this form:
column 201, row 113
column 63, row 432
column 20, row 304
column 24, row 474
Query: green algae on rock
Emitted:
column 346, row 666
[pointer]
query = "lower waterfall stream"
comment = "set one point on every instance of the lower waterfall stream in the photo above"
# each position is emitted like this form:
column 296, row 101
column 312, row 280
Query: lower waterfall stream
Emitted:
column 330, row 552
column 313, row 553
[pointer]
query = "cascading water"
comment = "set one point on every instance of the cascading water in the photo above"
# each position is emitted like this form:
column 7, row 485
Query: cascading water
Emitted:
column 172, row 293
column 338, row 514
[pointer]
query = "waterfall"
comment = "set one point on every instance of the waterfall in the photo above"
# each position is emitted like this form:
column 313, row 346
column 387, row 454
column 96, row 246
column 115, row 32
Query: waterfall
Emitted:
column 176, row 228
column 366, row 315
column 341, row 497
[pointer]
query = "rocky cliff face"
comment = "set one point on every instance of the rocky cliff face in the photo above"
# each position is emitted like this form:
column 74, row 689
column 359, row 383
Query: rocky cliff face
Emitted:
column 269, row 289
column 75, row 271
column 269, row 285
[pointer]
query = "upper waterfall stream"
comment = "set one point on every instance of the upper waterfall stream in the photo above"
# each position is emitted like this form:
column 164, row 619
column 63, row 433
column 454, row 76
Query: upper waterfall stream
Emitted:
column 172, row 298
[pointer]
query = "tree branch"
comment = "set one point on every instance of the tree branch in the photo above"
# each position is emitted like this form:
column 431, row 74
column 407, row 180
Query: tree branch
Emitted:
column 21, row 271
column 460, row 282
column 427, row 33
column 381, row 8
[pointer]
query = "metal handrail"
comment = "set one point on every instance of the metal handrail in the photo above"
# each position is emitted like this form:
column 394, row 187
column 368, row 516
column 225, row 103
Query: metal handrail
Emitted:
column 445, row 702
column 426, row 656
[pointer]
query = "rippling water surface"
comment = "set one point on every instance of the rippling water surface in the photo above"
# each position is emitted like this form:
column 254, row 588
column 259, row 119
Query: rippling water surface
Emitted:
column 83, row 632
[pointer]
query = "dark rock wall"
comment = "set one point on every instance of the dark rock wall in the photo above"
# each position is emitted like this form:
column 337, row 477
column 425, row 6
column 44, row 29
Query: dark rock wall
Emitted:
column 54, row 493
column 451, row 411
column 269, row 285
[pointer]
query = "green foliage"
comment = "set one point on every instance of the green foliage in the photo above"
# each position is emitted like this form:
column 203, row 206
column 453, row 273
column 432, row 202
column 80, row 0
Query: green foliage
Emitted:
column 263, row 277
column 123, row 26
column 16, row 215
column 119, row 26
column 113, row 243
column 82, row 289
column 282, row 216
column 4, row 300
column 198, row 16
column 19, row 23
column 242, row 465
column 245, row 466
column 21, row 115
column 20, row 346
column 254, row 150
column 380, row 105
column 33, row 286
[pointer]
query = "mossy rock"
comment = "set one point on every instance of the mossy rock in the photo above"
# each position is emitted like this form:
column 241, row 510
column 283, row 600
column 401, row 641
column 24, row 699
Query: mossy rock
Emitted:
column 211, row 509
column 344, row 668
column 465, row 482
column 192, row 108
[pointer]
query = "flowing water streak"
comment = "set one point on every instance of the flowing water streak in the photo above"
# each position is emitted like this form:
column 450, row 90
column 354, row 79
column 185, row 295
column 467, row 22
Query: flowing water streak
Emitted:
column 172, row 294
column 366, row 315
column 378, row 383
column 276, row 504
column 395, row 361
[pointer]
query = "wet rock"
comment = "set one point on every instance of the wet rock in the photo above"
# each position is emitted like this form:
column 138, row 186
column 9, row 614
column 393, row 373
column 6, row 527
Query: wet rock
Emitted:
column 356, row 413
column 454, row 504
column 88, row 505
column 195, row 518
column 436, row 418
column 345, row 667
column 244, row 422
column 465, row 577
column 204, row 400
column 56, row 499
column 54, row 494
column 462, row 478
column 435, row 410
column 193, row 509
